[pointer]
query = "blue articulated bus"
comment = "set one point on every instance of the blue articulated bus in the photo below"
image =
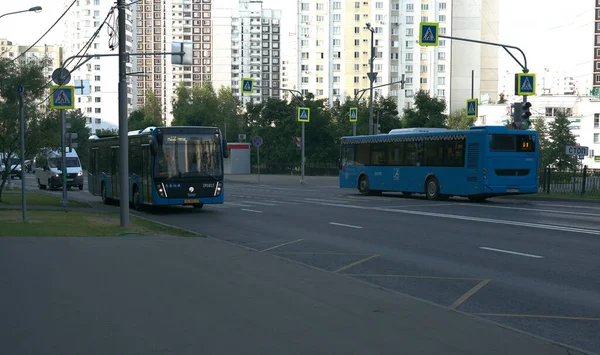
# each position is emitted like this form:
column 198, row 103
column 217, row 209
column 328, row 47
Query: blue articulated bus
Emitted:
column 167, row 166
column 478, row 163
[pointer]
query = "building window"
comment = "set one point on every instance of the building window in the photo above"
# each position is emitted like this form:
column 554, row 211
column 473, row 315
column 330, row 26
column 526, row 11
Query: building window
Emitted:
column 597, row 120
column 98, row 110
column 596, row 138
column 97, row 99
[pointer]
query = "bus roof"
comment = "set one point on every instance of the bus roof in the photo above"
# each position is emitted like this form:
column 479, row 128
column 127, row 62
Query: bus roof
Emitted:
column 405, row 133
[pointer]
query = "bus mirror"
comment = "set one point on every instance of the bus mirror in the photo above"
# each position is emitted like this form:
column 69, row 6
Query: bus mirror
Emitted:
column 225, row 149
column 153, row 145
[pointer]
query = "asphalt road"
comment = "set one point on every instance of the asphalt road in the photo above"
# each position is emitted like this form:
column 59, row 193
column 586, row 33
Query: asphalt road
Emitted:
column 528, row 265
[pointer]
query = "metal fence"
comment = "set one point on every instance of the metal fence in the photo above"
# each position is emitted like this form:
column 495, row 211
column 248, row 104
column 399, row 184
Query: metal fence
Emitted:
column 310, row 169
column 578, row 181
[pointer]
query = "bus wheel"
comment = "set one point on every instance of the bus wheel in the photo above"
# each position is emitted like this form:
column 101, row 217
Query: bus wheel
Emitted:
column 363, row 185
column 137, row 201
column 432, row 189
column 103, row 194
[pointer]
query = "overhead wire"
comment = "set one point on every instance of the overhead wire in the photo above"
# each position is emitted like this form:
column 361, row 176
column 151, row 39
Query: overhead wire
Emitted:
column 86, row 47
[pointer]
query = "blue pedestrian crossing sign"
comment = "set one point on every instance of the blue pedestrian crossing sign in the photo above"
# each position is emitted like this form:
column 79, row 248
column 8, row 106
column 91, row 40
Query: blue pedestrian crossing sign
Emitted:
column 353, row 114
column 247, row 85
column 62, row 97
column 428, row 33
column 303, row 114
column 525, row 84
column 472, row 108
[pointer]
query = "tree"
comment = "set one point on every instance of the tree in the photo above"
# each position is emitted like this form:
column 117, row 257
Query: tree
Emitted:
column 196, row 107
column 387, row 110
column 107, row 132
column 458, row 120
column 152, row 110
column 429, row 112
column 30, row 75
column 77, row 120
column 539, row 124
column 560, row 136
column 136, row 120
column 182, row 105
column 229, row 117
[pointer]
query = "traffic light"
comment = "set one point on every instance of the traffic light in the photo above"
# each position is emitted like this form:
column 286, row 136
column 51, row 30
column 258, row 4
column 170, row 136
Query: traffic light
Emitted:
column 525, row 115
column 516, row 116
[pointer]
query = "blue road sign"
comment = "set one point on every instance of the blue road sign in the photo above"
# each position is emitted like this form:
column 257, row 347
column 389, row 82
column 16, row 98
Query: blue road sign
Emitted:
column 257, row 141
column 353, row 114
column 247, row 85
column 472, row 108
column 20, row 89
column 303, row 114
column 525, row 84
column 62, row 97
column 429, row 33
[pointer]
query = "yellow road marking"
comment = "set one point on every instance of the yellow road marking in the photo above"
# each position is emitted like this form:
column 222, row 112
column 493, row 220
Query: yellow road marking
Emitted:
column 283, row 244
column 417, row 277
column 535, row 316
column 469, row 293
column 356, row 263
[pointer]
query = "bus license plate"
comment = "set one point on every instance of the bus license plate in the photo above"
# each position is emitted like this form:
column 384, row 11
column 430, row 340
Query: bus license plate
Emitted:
column 512, row 190
column 191, row 201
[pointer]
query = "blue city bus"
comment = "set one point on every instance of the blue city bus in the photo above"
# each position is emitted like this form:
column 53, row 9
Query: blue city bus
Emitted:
column 167, row 166
column 478, row 163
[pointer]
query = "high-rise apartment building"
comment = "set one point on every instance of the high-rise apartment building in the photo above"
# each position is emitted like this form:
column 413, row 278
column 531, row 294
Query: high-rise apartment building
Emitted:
column 97, row 95
column 157, row 25
column 249, row 46
column 596, row 69
column 335, row 48
column 54, row 53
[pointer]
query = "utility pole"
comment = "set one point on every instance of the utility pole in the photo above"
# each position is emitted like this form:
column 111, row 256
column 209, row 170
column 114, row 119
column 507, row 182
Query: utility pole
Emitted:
column 123, row 139
column 22, row 142
column 372, row 75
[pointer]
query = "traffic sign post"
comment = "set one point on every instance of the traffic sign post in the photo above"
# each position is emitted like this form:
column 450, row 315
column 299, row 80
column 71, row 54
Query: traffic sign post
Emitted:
column 257, row 141
column 62, row 98
column 353, row 118
column 429, row 33
column 525, row 84
column 303, row 116
column 247, row 85
column 472, row 108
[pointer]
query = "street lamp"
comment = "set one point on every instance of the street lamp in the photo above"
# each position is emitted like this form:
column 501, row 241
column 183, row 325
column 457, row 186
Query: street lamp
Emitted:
column 372, row 75
column 35, row 9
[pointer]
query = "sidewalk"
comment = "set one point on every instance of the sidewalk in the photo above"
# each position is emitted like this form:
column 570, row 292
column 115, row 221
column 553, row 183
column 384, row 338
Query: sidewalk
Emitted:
column 201, row 295
column 313, row 181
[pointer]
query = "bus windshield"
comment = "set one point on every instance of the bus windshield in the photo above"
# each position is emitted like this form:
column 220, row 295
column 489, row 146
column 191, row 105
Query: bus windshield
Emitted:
column 189, row 155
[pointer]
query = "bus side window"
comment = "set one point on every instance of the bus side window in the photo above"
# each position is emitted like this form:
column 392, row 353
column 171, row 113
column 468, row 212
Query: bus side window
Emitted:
column 395, row 154
column 362, row 154
column 348, row 156
column 378, row 154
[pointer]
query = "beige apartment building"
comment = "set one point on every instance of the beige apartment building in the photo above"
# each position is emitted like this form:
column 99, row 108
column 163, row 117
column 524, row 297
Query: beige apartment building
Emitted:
column 11, row 50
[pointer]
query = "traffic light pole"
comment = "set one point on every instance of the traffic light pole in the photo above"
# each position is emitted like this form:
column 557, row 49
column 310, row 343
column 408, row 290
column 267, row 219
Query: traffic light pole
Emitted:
column 357, row 98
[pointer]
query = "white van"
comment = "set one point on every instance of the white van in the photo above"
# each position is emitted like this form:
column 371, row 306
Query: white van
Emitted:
column 48, row 172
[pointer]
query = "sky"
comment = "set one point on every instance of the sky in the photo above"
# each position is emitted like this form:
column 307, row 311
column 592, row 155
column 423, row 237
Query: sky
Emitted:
column 554, row 35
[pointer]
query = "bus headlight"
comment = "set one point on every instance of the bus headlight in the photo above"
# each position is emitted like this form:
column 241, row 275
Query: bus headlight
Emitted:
column 160, row 188
column 218, row 189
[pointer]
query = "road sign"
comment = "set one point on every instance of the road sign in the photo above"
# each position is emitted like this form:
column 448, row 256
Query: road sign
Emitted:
column 247, row 85
column 61, row 76
column 20, row 89
column 472, row 108
column 62, row 97
column 257, row 141
column 303, row 114
column 577, row 150
column 428, row 33
column 353, row 114
column 525, row 84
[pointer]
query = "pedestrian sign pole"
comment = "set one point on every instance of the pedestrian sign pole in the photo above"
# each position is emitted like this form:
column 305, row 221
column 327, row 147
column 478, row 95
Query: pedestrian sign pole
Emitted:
column 63, row 98
column 257, row 141
column 353, row 118
column 303, row 117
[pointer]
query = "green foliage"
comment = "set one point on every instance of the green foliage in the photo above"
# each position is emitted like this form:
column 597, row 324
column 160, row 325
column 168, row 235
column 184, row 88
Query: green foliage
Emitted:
column 539, row 124
column 560, row 136
column 107, row 132
column 458, row 120
column 428, row 112
column 150, row 114
column 196, row 107
column 30, row 75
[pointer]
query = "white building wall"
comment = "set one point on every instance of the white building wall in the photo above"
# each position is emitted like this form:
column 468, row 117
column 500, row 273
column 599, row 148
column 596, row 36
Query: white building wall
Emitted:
column 222, row 13
column 101, row 105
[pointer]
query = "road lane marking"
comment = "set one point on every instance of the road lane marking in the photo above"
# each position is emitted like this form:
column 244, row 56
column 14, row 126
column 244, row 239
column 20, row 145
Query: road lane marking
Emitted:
column 356, row 263
column 468, row 294
column 530, row 209
column 535, row 316
column 327, row 200
column 512, row 252
column 282, row 202
column 345, row 225
column 282, row 245
column 261, row 203
column 473, row 219
column 418, row 277
column 238, row 204
column 249, row 210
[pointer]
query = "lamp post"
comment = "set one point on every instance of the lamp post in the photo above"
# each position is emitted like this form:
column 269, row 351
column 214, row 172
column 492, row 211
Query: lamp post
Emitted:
column 35, row 9
column 372, row 75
